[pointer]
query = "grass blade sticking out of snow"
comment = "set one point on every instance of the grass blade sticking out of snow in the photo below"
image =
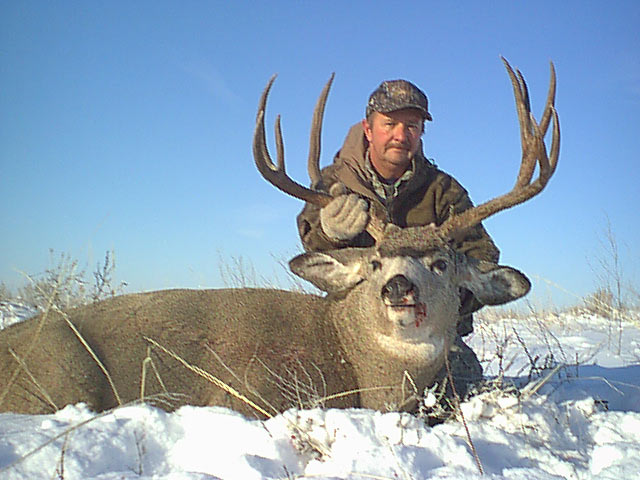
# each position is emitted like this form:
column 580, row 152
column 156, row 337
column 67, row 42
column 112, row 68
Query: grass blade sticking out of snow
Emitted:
column 533, row 387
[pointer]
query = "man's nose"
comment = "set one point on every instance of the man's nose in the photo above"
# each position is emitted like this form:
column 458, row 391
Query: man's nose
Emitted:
column 400, row 132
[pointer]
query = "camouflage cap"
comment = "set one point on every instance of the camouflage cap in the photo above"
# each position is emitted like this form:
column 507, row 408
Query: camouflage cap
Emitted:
column 394, row 95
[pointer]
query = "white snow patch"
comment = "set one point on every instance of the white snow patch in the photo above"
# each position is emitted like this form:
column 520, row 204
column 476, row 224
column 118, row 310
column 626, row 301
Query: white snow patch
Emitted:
column 583, row 423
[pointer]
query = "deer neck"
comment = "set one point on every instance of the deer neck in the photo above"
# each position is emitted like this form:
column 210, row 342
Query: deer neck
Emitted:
column 390, row 370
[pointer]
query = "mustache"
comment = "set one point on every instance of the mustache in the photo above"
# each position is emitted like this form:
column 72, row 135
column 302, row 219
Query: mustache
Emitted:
column 404, row 145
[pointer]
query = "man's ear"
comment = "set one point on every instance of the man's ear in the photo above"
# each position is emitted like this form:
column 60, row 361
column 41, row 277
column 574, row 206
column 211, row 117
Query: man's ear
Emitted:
column 326, row 272
column 367, row 129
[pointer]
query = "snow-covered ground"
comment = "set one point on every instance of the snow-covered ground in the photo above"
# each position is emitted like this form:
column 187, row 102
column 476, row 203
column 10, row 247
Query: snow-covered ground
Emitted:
column 583, row 423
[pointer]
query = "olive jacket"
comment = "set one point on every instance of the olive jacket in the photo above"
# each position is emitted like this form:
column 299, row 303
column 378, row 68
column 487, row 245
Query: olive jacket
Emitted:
column 427, row 197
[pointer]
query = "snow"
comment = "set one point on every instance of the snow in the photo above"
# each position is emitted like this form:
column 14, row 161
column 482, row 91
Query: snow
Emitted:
column 11, row 313
column 577, row 417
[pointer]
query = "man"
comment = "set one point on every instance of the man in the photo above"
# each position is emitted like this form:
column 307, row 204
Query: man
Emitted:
column 381, row 165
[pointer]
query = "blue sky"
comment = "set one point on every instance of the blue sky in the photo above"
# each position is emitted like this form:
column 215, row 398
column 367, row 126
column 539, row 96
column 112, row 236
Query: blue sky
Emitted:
column 127, row 126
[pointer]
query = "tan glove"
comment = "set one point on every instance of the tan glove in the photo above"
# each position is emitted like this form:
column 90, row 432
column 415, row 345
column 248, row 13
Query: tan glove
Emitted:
column 345, row 216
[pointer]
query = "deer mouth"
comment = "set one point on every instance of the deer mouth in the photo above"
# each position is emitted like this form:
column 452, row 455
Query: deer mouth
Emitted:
column 407, row 302
column 402, row 300
column 406, row 313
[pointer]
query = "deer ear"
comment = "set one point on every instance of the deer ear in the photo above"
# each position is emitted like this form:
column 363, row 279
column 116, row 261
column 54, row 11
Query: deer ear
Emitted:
column 496, row 285
column 326, row 272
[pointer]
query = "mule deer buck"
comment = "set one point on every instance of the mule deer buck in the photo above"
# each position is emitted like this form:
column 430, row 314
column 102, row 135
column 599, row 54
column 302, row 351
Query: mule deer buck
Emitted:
column 376, row 340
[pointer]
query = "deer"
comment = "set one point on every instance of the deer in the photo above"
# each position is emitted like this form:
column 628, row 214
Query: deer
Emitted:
column 376, row 339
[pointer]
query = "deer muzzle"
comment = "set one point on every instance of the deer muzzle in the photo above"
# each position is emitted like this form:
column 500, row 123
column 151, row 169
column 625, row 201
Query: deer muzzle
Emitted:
column 402, row 299
column 399, row 292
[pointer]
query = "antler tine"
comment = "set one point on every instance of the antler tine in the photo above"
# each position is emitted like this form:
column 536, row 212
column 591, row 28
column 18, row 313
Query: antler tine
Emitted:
column 551, row 98
column 313, row 163
column 533, row 151
column 279, row 145
column 548, row 163
column 260, row 152
column 528, row 166
column 276, row 174
column 523, row 108
column 555, row 140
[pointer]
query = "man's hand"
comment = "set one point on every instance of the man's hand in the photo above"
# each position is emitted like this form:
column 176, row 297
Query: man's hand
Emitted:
column 345, row 216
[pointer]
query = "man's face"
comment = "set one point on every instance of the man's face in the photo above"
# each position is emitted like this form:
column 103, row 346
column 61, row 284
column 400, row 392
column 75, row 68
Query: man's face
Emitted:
column 394, row 138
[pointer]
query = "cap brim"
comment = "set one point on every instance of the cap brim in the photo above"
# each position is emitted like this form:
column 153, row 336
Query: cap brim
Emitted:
column 426, row 115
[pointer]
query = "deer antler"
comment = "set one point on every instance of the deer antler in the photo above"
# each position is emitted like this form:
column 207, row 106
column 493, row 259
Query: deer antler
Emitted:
column 276, row 174
column 533, row 152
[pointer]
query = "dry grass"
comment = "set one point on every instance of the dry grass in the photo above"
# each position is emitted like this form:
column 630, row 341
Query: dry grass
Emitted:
column 238, row 272
column 65, row 285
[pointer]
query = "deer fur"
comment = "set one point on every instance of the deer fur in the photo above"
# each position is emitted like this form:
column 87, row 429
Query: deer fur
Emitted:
column 279, row 349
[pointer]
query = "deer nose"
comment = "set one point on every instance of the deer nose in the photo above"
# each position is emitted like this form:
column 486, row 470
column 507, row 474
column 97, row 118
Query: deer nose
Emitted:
column 397, row 289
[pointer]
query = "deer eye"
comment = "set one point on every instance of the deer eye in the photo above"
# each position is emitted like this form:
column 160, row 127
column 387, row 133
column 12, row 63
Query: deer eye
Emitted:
column 376, row 265
column 439, row 267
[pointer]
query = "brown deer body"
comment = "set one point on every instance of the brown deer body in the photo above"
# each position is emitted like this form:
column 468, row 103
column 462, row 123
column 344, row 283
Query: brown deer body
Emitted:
column 377, row 340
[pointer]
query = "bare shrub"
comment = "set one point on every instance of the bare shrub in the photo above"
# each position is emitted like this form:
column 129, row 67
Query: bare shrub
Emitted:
column 61, row 284
column 103, row 279
column 611, row 275
column 64, row 284
column 611, row 298
column 236, row 272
